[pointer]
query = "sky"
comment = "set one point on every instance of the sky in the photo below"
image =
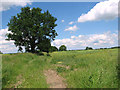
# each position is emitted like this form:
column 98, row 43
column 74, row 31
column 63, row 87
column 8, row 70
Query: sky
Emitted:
column 79, row 24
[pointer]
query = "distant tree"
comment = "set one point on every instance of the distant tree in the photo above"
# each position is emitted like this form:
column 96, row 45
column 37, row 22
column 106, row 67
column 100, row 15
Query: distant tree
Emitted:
column 88, row 48
column 53, row 48
column 115, row 47
column 62, row 48
column 32, row 29
column 105, row 48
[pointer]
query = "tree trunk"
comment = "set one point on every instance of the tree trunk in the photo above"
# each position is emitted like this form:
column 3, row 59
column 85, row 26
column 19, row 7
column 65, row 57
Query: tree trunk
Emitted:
column 33, row 48
column 33, row 45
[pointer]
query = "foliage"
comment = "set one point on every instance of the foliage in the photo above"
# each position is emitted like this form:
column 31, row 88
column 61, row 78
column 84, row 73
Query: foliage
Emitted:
column 62, row 48
column 53, row 48
column 88, row 48
column 32, row 29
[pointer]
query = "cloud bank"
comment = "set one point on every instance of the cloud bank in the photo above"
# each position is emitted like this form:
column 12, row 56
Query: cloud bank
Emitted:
column 6, row 46
column 106, row 10
column 106, row 39
column 7, row 4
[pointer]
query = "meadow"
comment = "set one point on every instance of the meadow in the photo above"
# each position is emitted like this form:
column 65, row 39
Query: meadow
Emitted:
column 80, row 69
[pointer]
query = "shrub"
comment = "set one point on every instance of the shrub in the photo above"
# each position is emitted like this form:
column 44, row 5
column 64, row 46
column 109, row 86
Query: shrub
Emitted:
column 62, row 48
column 88, row 48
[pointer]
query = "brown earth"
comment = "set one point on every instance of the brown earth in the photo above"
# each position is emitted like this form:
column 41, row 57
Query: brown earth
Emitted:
column 54, row 80
column 19, row 81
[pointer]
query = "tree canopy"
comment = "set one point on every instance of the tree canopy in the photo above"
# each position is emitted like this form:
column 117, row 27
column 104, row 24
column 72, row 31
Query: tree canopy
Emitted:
column 32, row 29
column 62, row 48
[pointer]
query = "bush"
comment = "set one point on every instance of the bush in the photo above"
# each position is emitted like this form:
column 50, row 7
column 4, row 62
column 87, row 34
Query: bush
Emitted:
column 62, row 48
column 88, row 48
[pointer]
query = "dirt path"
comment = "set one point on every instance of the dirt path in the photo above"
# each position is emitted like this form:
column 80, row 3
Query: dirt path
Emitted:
column 19, row 80
column 54, row 80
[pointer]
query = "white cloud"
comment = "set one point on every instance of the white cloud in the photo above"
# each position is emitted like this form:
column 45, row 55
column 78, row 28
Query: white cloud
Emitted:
column 71, row 22
column 74, row 28
column 6, row 46
column 63, row 21
column 7, row 4
column 107, row 39
column 106, row 10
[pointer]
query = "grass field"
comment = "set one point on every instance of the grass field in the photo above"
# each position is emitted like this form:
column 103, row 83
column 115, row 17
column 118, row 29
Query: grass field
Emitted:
column 80, row 69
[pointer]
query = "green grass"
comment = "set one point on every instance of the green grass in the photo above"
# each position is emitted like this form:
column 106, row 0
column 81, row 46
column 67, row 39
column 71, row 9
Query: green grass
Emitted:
column 87, row 69
column 29, row 66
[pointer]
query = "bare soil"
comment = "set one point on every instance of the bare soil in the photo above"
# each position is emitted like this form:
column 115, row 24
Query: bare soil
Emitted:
column 19, row 81
column 54, row 80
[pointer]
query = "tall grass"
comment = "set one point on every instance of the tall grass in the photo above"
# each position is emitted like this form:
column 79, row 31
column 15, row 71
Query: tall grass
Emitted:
column 28, row 66
column 86, row 69
column 89, row 69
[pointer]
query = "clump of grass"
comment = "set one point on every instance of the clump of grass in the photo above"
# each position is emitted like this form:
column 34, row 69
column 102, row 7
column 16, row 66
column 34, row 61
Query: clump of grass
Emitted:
column 61, row 69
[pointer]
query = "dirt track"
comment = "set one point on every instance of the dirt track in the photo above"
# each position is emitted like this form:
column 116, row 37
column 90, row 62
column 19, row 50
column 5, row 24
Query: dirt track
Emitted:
column 54, row 80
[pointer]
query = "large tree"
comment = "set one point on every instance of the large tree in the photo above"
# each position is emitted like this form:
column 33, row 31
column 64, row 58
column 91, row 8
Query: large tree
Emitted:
column 32, row 29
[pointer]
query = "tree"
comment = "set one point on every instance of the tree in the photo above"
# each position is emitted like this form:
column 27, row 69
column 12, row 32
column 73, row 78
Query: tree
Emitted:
column 32, row 29
column 53, row 48
column 62, row 48
column 88, row 48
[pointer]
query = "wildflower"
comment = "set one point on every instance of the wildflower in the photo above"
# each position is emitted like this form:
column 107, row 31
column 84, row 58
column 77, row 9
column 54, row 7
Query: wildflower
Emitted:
column 59, row 62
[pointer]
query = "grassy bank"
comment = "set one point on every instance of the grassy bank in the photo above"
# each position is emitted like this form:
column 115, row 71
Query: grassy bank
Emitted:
column 81, row 69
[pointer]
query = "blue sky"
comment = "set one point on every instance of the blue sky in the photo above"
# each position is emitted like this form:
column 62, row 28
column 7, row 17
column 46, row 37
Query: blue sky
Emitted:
column 88, row 25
